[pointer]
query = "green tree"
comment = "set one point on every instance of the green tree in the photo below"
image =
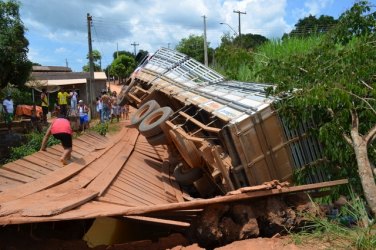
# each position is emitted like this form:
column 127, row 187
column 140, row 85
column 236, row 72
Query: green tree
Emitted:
column 335, row 86
column 250, row 41
column 193, row 46
column 97, row 61
column 312, row 26
column 86, row 68
column 230, row 59
column 14, row 66
column 122, row 52
column 123, row 66
column 141, row 55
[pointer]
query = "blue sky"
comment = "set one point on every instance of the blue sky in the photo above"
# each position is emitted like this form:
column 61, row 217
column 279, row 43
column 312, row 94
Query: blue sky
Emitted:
column 57, row 30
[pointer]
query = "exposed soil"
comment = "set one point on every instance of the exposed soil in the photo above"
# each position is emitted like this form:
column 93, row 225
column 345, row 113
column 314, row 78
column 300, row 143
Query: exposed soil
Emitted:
column 222, row 226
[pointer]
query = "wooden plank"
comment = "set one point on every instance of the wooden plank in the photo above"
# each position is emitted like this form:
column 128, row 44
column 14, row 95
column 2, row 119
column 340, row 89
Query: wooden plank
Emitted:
column 22, row 170
column 6, row 184
column 126, row 197
column 130, row 196
column 160, row 221
column 49, row 154
column 83, row 145
column 47, row 158
column 112, row 199
column 92, row 141
column 40, row 162
column 106, row 177
column 150, row 154
column 59, row 151
column 15, row 176
column 32, row 166
column 95, row 209
column 77, row 182
column 49, row 180
column 98, row 136
column 74, row 184
column 135, row 173
column 61, row 204
column 78, row 150
column 141, row 189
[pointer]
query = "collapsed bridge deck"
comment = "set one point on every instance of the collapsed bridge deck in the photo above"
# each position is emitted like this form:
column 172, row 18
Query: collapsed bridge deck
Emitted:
column 118, row 176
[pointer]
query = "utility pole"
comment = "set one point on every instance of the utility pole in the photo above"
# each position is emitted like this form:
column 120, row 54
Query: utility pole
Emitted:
column 205, row 44
column 240, row 33
column 89, row 89
column 134, row 44
column 117, row 50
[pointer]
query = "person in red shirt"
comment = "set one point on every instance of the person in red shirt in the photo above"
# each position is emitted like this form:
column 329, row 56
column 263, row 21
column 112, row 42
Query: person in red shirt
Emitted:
column 61, row 130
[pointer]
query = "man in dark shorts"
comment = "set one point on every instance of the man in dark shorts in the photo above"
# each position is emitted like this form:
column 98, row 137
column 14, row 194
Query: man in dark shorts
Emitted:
column 61, row 130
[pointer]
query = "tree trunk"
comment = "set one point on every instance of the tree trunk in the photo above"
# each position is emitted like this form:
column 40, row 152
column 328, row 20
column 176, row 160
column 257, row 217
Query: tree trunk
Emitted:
column 364, row 170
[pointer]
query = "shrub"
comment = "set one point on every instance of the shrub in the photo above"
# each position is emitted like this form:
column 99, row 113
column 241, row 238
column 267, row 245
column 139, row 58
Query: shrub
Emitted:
column 34, row 141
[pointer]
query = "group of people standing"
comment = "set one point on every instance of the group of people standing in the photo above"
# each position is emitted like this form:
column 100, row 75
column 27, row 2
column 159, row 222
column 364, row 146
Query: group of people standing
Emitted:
column 108, row 108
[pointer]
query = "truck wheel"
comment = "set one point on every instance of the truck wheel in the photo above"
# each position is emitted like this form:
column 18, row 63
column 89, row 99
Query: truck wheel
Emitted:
column 187, row 176
column 156, row 140
column 187, row 150
column 150, row 125
column 143, row 111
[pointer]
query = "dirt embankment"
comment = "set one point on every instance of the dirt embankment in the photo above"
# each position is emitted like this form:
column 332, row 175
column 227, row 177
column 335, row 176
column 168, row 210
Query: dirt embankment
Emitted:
column 222, row 224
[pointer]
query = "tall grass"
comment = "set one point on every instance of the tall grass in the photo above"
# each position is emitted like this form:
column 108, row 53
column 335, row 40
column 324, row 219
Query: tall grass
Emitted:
column 242, row 65
column 280, row 50
column 351, row 228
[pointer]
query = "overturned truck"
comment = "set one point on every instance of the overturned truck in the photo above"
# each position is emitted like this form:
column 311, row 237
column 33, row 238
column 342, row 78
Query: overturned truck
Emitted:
column 226, row 132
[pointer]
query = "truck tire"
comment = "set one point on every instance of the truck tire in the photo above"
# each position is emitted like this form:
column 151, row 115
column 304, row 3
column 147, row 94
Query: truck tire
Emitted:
column 187, row 149
column 150, row 124
column 187, row 176
column 143, row 111
column 156, row 140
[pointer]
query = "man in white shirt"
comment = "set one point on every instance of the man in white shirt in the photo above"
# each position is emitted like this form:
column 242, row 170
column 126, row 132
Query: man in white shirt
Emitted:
column 8, row 107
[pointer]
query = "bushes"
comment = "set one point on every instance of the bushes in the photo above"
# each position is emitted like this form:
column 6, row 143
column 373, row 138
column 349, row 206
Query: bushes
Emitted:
column 34, row 141
column 101, row 128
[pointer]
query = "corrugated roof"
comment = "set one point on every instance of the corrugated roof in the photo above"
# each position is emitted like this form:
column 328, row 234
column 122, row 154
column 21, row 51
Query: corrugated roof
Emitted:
column 52, row 69
column 46, row 83
column 44, row 79
column 100, row 75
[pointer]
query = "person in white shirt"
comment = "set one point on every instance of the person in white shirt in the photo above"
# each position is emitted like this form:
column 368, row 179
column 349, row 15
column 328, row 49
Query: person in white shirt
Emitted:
column 99, row 108
column 83, row 111
column 73, row 99
column 8, row 107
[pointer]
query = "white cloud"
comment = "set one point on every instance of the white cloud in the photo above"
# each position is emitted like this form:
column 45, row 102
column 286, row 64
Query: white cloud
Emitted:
column 311, row 7
column 316, row 6
column 151, row 23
